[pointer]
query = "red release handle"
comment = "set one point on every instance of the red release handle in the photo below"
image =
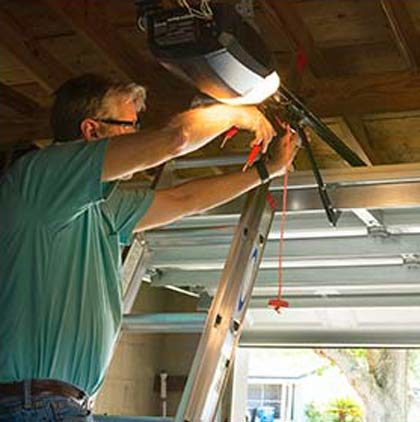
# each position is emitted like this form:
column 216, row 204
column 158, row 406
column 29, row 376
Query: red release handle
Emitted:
column 256, row 149
column 277, row 304
column 229, row 134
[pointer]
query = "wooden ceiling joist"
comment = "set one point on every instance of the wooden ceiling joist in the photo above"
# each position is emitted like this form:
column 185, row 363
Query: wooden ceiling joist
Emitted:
column 405, row 33
column 38, row 62
column 298, row 35
column 18, row 102
column 24, row 131
column 88, row 20
column 371, row 94
column 355, row 130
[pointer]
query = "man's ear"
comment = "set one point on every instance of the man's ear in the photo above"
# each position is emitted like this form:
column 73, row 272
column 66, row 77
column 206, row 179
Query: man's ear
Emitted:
column 90, row 129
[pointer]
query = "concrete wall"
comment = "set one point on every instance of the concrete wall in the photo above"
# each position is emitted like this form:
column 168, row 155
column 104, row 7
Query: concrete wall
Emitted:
column 128, row 388
column 177, row 355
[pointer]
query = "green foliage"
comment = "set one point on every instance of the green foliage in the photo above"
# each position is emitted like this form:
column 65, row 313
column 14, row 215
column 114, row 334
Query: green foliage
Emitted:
column 414, row 363
column 338, row 410
column 344, row 410
column 358, row 353
column 312, row 413
column 321, row 370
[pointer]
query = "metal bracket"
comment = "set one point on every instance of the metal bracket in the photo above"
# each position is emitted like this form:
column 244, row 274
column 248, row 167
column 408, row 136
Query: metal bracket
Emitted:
column 380, row 231
column 373, row 222
column 204, row 301
column 411, row 260
column 332, row 214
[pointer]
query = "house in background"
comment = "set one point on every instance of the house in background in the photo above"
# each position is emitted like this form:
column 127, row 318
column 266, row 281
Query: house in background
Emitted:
column 282, row 383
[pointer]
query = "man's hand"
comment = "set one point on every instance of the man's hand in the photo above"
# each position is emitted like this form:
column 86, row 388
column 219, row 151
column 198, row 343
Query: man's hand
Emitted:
column 250, row 118
column 284, row 152
column 201, row 125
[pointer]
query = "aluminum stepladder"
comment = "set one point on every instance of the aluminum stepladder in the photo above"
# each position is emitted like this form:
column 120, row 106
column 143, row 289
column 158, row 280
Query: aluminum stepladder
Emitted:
column 134, row 268
column 137, row 260
column 216, row 350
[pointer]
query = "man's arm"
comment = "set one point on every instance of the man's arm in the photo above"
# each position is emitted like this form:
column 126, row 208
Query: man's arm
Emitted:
column 202, row 194
column 185, row 133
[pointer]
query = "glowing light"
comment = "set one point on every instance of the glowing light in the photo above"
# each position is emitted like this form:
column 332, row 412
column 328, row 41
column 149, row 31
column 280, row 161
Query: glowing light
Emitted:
column 267, row 87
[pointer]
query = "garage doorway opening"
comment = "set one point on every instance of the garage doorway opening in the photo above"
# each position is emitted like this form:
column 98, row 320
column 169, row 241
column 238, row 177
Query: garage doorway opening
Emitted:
column 326, row 385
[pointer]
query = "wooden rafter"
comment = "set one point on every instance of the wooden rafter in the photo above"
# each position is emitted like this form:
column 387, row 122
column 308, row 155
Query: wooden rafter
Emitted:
column 18, row 102
column 298, row 35
column 89, row 20
column 24, row 131
column 45, row 69
column 355, row 130
column 405, row 33
column 370, row 94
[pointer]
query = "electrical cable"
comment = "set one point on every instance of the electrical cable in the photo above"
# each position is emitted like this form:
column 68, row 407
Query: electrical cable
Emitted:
column 204, row 11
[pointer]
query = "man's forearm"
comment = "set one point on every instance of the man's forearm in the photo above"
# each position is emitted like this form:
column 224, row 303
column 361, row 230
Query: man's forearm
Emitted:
column 196, row 196
column 202, row 194
column 185, row 133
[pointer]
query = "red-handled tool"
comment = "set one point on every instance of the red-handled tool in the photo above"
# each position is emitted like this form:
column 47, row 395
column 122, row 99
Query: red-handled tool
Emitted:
column 229, row 135
column 255, row 152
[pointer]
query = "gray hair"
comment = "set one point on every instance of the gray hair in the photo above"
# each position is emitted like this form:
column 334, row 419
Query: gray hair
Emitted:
column 86, row 96
column 131, row 92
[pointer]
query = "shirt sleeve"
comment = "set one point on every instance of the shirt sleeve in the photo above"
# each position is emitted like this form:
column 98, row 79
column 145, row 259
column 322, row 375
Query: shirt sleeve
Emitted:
column 62, row 181
column 126, row 207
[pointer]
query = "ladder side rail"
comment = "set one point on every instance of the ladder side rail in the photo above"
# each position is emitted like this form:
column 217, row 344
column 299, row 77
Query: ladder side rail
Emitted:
column 220, row 337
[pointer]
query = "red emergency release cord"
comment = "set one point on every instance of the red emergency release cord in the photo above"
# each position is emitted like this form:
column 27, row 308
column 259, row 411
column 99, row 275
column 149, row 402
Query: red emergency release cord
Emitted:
column 278, row 303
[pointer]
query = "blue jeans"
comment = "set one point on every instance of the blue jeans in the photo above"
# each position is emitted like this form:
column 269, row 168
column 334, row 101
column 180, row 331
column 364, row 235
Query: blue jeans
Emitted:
column 44, row 407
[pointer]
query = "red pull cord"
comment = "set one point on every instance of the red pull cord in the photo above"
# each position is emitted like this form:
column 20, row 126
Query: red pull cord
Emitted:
column 278, row 303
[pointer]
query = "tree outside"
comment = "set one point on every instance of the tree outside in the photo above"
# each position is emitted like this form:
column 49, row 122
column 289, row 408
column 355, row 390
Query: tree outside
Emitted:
column 379, row 376
column 338, row 410
column 383, row 385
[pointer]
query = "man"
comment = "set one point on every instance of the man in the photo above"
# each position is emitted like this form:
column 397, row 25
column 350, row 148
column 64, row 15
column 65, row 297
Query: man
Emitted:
column 63, row 221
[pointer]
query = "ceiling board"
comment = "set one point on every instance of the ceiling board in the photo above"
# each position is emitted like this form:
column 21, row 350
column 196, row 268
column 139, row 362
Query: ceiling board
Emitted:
column 413, row 6
column 11, row 70
column 76, row 53
column 36, row 19
column 34, row 91
column 343, row 22
column 366, row 58
column 396, row 141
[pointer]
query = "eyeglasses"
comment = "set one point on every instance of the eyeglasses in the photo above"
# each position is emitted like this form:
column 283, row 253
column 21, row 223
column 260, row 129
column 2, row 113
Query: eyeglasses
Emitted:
column 135, row 124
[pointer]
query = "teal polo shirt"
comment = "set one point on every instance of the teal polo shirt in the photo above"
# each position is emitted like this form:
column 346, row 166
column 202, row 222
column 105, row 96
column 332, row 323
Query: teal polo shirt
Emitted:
column 61, row 230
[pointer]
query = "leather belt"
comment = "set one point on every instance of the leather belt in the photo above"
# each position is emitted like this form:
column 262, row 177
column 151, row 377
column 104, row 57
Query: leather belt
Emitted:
column 38, row 387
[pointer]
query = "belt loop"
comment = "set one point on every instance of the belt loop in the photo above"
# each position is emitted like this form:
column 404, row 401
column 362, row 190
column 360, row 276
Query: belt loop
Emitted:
column 27, row 399
column 86, row 402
